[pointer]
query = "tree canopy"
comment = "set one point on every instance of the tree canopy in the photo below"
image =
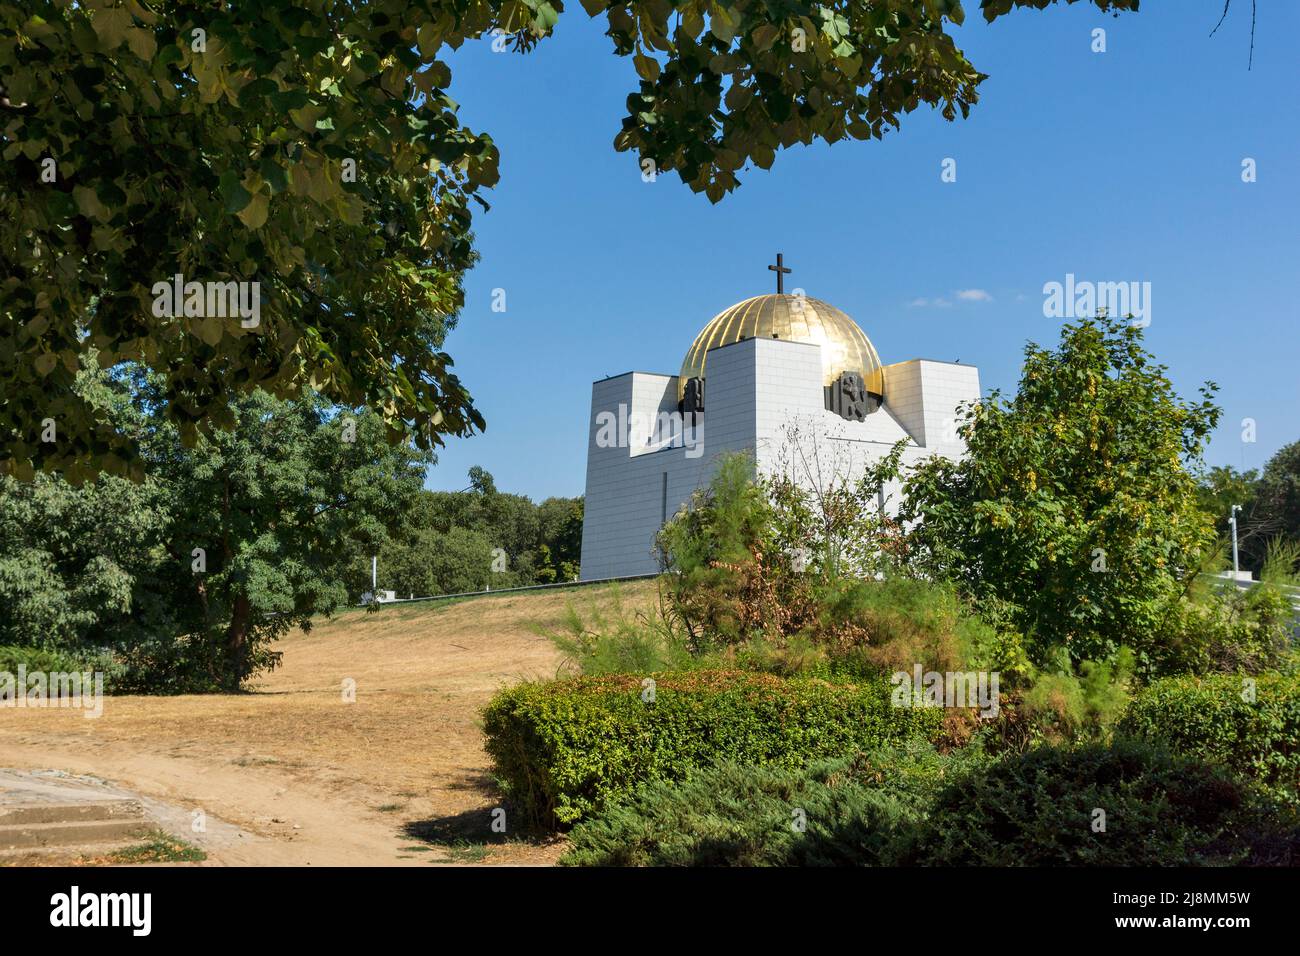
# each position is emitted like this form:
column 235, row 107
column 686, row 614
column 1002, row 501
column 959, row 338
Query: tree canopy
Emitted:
column 306, row 153
column 180, row 582
column 1076, row 506
column 476, row 539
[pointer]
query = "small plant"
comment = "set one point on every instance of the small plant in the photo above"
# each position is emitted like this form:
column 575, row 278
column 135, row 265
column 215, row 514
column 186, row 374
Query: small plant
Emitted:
column 1071, row 703
column 467, row 852
column 615, row 641
column 160, row 847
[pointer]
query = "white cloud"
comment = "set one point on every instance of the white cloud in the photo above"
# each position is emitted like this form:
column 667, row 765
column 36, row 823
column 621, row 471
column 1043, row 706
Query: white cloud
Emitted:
column 943, row 302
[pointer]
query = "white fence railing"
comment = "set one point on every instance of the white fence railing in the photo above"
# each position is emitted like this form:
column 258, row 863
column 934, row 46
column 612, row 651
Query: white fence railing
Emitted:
column 487, row 592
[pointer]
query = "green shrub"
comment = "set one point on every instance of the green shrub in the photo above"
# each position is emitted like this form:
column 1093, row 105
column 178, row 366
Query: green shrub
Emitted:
column 891, row 624
column 1039, row 808
column 563, row 749
column 1214, row 719
column 1076, row 703
column 1220, row 628
column 762, row 559
column 865, row 629
column 56, row 661
column 614, row 640
column 861, row 811
column 910, row 806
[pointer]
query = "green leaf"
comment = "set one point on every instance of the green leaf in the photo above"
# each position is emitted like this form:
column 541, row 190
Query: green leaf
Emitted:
column 274, row 175
column 426, row 40
column 61, row 205
column 88, row 203
column 288, row 100
column 253, row 215
column 111, row 25
column 647, row 67
column 546, row 15
column 255, row 91
column 208, row 329
column 723, row 23
column 142, row 43
column 306, row 117
column 764, row 36
column 233, row 192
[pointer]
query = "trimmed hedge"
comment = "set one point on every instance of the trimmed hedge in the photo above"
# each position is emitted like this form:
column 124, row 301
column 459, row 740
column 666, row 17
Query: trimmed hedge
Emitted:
column 563, row 749
column 1208, row 718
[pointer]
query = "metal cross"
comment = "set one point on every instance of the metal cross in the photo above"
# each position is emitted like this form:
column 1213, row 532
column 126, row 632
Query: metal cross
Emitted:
column 781, row 272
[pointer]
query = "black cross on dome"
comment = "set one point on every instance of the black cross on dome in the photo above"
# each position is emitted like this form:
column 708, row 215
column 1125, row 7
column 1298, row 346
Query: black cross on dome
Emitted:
column 781, row 272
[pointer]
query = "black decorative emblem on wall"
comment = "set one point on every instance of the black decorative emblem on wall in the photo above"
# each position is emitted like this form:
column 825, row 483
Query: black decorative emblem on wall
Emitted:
column 693, row 400
column 848, row 397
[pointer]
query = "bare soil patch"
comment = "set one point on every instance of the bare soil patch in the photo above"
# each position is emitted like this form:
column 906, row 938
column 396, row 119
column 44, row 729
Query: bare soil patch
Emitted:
column 396, row 777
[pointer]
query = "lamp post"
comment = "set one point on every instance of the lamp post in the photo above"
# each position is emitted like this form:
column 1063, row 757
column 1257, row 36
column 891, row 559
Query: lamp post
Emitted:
column 1232, row 520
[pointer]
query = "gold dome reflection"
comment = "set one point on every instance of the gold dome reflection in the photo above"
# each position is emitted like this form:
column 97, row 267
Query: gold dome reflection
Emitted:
column 795, row 318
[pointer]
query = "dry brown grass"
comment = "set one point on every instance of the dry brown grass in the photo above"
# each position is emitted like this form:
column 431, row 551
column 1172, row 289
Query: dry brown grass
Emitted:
column 401, row 766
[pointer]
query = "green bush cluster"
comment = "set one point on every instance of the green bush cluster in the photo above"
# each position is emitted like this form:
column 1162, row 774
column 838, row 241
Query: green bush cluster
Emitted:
column 1221, row 628
column 561, row 750
column 49, row 661
column 1044, row 808
column 910, row 806
column 1250, row 725
column 865, row 629
column 610, row 638
column 855, row 811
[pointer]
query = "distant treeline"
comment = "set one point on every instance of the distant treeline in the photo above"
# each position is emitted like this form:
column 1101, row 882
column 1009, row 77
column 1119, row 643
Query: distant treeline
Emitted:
column 474, row 539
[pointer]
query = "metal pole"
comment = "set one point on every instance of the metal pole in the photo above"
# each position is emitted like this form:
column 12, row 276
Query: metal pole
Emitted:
column 1236, row 568
column 374, row 574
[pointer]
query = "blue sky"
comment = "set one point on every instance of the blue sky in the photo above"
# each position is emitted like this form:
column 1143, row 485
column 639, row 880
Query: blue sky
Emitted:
column 1123, row 165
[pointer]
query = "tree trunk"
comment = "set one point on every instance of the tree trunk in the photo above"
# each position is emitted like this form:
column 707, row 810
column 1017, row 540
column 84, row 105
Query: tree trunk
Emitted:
column 236, row 639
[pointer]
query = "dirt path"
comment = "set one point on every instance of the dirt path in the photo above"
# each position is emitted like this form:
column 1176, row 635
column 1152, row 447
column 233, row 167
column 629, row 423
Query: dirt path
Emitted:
column 397, row 776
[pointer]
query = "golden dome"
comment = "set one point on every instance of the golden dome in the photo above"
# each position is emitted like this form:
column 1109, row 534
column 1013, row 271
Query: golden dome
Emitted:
column 795, row 318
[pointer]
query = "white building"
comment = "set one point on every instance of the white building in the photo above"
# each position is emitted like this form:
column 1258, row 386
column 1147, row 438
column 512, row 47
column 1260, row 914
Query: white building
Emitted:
column 787, row 377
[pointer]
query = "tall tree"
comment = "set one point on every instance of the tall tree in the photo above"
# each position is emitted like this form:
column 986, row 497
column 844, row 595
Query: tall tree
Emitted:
column 276, row 507
column 189, row 575
column 1076, row 505
column 1222, row 487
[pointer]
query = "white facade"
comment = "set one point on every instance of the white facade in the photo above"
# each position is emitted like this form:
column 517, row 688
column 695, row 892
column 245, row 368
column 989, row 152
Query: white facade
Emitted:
column 642, row 466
